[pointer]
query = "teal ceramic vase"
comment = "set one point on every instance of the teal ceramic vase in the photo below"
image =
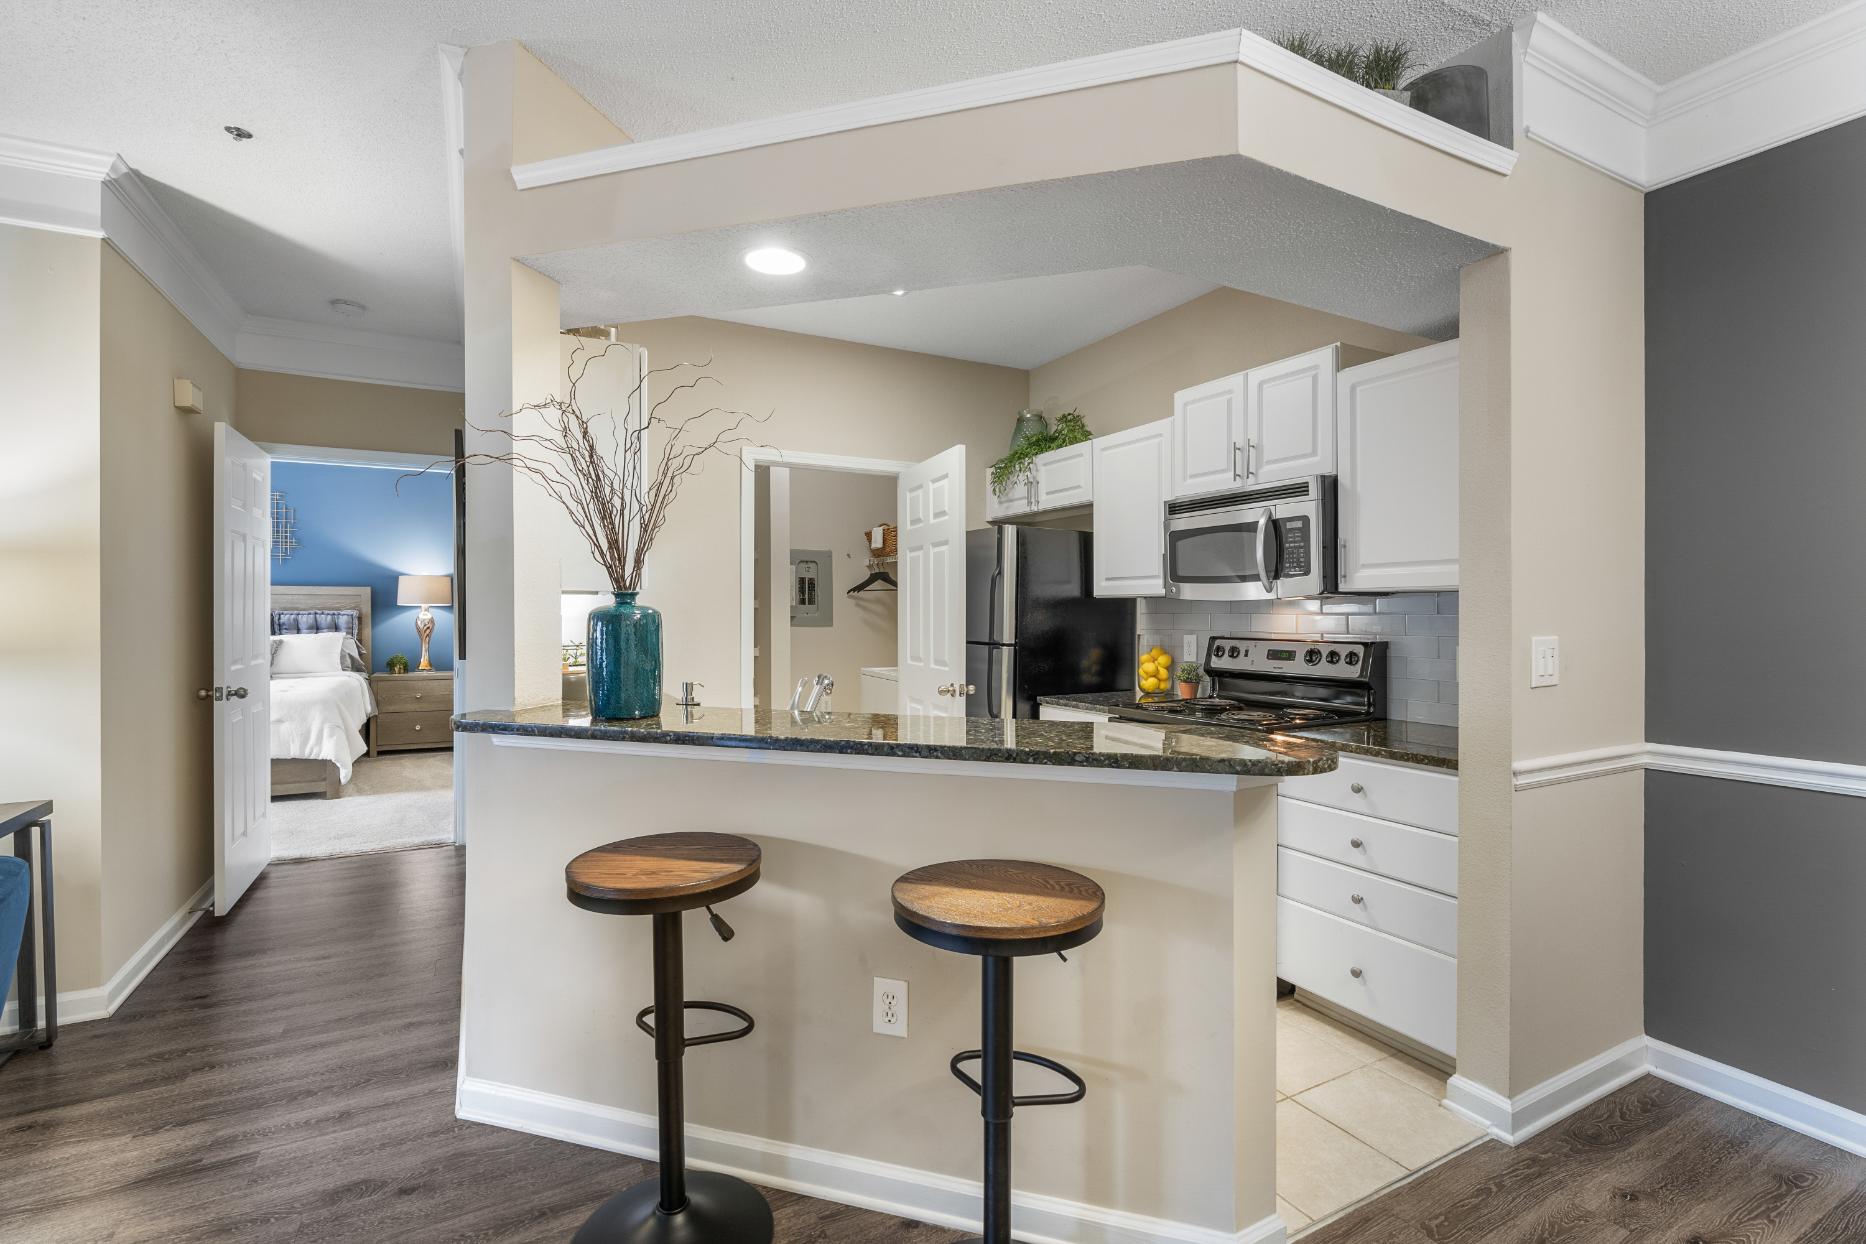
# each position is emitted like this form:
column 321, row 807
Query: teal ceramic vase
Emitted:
column 623, row 659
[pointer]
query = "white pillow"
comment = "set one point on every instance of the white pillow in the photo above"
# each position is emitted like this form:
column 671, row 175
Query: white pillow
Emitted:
column 308, row 654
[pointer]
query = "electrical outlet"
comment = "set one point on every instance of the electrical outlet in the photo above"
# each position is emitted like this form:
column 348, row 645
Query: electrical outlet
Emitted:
column 1189, row 648
column 1544, row 661
column 890, row 1007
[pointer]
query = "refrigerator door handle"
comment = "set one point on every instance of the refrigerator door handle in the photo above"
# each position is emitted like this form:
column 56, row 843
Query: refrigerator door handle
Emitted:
column 997, row 585
column 991, row 682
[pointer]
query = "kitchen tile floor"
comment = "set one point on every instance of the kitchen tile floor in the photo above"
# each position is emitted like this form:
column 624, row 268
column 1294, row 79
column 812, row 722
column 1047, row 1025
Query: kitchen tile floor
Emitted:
column 1352, row 1116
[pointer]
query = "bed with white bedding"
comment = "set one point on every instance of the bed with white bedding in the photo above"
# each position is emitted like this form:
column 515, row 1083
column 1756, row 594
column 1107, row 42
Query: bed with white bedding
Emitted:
column 320, row 717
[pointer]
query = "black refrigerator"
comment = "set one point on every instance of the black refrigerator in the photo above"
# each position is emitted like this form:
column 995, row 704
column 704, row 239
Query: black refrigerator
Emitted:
column 1032, row 625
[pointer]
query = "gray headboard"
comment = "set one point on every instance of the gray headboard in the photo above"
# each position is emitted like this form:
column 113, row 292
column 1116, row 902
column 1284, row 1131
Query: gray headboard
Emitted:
column 356, row 598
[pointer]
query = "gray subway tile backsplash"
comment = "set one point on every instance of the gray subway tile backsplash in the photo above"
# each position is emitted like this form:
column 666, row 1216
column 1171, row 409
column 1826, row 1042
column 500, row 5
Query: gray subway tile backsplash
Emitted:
column 1420, row 630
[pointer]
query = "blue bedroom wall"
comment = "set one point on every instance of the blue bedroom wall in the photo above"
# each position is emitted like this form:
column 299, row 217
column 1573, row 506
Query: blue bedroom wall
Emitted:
column 354, row 527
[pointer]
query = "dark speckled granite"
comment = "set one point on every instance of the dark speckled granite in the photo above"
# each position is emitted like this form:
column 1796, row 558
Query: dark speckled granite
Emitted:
column 1117, row 745
column 1404, row 742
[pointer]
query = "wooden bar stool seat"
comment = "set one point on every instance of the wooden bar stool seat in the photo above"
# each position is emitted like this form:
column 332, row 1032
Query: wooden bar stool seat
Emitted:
column 1000, row 910
column 663, row 876
column 662, row 872
column 998, row 907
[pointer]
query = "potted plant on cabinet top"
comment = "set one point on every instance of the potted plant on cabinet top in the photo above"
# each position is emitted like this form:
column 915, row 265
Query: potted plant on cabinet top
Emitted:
column 1189, row 675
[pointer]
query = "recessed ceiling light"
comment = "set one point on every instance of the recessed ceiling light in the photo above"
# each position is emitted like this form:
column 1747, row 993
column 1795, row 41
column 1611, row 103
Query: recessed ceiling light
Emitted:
column 347, row 306
column 900, row 293
column 774, row 261
column 239, row 133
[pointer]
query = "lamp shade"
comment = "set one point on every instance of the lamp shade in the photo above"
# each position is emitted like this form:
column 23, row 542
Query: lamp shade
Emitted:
column 424, row 589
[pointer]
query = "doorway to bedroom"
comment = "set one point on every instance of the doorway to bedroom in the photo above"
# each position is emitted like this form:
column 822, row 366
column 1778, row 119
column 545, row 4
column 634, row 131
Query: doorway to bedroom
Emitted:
column 362, row 619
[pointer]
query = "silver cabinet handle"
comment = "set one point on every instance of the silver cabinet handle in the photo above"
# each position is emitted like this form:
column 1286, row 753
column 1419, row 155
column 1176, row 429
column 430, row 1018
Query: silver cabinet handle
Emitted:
column 1357, row 788
column 1355, row 973
column 1250, row 451
column 1355, row 843
column 236, row 693
column 1240, row 465
column 1356, row 899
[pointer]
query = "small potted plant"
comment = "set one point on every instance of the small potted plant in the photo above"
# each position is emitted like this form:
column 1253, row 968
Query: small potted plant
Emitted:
column 398, row 664
column 1188, row 675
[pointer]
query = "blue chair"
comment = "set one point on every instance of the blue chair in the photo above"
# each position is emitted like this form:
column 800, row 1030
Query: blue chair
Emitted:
column 15, row 896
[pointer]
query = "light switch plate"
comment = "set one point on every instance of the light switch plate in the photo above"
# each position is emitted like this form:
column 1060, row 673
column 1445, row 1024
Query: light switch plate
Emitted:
column 1189, row 647
column 1544, row 661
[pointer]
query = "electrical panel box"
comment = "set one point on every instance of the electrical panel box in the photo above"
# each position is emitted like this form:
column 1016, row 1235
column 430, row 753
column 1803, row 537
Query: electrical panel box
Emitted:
column 812, row 595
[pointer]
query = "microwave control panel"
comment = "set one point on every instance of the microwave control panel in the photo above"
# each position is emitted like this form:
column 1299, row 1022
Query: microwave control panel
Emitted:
column 1293, row 556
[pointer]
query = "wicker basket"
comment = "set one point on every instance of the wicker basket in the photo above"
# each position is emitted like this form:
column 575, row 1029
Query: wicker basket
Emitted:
column 889, row 543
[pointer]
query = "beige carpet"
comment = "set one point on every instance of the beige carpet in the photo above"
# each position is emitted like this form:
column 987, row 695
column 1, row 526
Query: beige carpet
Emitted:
column 391, row 803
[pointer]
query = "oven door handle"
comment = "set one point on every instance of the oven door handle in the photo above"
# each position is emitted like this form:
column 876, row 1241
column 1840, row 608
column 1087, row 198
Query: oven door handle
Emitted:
column 1266, row 548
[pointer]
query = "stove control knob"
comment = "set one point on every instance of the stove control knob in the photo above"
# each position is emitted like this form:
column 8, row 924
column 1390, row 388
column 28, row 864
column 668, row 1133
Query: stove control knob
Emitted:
column 1232, row 651
column 1334, row 658
column 1353, row 657
column 1312, row 657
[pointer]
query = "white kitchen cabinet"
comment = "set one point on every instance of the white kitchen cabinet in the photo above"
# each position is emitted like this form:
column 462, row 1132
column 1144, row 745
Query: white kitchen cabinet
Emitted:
column 1132, row 473
column 1397, row 444
column 1021, row 499
column 1065, row 477
column 1208, row 437
column 1058, row 712
column 1289, row 417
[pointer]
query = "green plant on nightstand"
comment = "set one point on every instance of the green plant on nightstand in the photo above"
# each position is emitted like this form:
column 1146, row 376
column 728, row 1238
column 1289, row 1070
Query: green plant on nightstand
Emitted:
column 398, row 664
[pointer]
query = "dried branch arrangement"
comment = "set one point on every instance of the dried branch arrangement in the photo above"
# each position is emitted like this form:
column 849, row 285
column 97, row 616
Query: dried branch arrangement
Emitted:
column 617, row 473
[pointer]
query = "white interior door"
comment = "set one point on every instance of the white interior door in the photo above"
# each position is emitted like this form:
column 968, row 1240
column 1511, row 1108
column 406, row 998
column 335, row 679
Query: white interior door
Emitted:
column 930, row 499
column 242, row 665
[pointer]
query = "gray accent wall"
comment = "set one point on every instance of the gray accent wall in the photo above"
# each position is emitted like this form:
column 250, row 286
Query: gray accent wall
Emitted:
column 1756, row 609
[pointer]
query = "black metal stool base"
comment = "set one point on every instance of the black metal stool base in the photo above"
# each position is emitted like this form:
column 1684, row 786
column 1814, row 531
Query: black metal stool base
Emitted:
column 720, row 1210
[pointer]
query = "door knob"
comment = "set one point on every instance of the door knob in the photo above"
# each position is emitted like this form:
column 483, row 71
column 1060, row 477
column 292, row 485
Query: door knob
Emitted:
column 204, row 694
column 236, row 693
column 956, row 689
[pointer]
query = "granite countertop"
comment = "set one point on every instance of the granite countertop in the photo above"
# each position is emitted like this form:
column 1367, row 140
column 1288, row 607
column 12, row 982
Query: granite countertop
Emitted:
column 1404, row 742
column 1091, row 745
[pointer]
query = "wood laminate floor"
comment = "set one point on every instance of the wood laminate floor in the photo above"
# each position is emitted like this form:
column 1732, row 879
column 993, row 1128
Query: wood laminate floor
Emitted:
column 287, row 1074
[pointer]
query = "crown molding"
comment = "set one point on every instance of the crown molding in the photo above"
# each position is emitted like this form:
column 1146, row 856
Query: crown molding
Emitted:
column 301, row 348
column 1584, row 103
column 1228, row 47
column 148, row 238
column 51, row 186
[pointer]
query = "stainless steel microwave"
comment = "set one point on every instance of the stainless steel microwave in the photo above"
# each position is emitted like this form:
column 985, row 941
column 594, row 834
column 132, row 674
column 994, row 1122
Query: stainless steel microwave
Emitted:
column 1270, row 542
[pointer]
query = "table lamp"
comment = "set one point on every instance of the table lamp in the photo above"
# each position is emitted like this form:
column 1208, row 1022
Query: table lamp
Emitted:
column 424, row 590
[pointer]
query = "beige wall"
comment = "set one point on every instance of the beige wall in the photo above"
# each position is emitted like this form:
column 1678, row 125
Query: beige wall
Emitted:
column 51, row 558
column 281, row 409
column 1130, row 378
column 822, row 396
column 832, row 510
column 158, row 475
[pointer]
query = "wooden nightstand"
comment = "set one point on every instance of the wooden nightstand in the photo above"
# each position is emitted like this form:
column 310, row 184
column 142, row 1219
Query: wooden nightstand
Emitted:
column 413, row 710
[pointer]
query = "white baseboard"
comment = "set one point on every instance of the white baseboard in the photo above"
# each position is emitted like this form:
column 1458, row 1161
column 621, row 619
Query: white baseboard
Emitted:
column 79, row 1005
column 880, row 1186
column 1792, row 1108
column 1514, row 1120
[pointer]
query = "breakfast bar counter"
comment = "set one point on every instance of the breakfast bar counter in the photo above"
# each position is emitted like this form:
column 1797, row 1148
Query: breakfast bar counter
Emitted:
column 1168, row 1015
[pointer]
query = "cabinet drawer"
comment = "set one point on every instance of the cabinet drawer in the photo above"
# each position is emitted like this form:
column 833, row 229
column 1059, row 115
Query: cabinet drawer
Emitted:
column 1400, row 852
column 415, row 695
column 1403, row 793
column 414, row 729
column 1412, row 990
column 1367, row 899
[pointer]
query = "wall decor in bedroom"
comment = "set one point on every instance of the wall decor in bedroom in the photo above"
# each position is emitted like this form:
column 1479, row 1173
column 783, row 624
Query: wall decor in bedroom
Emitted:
column 353, row 525
column 284, row 528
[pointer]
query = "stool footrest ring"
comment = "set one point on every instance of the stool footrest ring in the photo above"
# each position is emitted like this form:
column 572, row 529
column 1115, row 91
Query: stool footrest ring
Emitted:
column 711, row 1038
column 1034, row 1099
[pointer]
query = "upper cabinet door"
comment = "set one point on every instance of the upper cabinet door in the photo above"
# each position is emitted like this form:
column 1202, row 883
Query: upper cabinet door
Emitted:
column 1398, row 436
column 1131, row 482
column 1064, row 477
column 1289, row 417
column 1021, row 499
column 1208, row 437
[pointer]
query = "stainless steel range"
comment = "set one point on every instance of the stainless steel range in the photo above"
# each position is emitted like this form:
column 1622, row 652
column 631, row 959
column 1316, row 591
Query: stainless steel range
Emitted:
column 1269, row 684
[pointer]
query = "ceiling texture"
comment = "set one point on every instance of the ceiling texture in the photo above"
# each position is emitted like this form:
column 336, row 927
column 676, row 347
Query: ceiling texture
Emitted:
column 342, row 192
